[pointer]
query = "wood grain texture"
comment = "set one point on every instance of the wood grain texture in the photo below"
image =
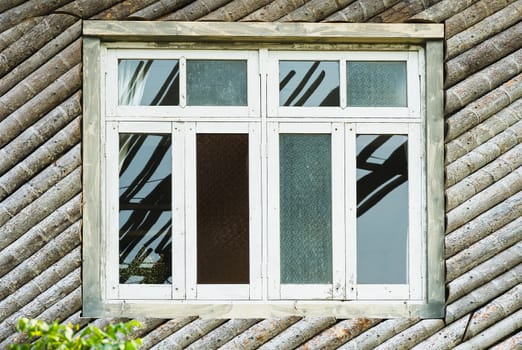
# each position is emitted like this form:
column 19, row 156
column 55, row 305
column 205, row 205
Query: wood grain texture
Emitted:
column 279, row 32
column 473, row 14
column 274, row 10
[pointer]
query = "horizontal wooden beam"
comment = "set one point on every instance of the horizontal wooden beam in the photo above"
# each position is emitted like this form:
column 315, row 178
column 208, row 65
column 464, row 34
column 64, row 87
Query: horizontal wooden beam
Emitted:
column 263, row 32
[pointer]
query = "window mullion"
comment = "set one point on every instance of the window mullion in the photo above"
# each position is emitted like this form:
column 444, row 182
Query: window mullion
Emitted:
column 350, row 210
column 178, row 205
column 342, row 84
column 273, row 245
column 255, row 241
column 183, row 82
column 338, row 236
column 190, row 207
column 263, row 149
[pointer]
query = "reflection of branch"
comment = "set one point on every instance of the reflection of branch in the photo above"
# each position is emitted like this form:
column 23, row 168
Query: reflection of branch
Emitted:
column 332, row 98
column 166, row 93
column 366, row 204
column 366, row 153
column 311, row 89
column 136, row 141
column 144, row 220
column 286, row 80
column 136, row 232
column 302, row 83
column 137, row 78
column 148, row 169
column 383, row 178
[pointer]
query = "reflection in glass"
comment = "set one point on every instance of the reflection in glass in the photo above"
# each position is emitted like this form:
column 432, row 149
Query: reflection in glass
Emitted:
column 376, row 84
column 145, row 217
column 222, row 209
column 148, row 82
column 305, row 208
column 308, row 83
column 216, row 83
column 382, row 209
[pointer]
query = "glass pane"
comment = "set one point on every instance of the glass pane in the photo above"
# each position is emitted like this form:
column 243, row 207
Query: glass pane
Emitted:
column 376, row 84
column 222, row 208
column 382, row 209
column 145, row 216
column 216, row 83
column 305, row 208
column 148, row 82
column 308, row 83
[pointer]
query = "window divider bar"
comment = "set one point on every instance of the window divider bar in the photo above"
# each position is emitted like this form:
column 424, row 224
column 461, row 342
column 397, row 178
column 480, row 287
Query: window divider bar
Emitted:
column 350, row 210
column 343, row 89
column 182, row 82
column 178, row 215
column 263, row 82
column 274, row 264
column 338, row 222
column 190, row 215
column 255, row 199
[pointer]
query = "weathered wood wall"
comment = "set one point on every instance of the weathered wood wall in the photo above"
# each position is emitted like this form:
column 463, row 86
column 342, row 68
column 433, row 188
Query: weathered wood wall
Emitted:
column 40, row 172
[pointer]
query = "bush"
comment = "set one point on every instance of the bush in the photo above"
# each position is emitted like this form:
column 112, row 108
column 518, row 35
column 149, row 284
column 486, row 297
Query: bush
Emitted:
column 54, row 336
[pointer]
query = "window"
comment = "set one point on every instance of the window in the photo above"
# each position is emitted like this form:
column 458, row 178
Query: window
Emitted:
column 255, row 179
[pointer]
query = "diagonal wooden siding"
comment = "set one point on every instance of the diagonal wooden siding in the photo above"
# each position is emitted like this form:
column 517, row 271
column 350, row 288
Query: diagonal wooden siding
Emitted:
column 40, row 172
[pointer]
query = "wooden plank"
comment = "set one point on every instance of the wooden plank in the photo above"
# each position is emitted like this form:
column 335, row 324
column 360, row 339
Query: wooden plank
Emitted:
column 263, row 32
column 435, row 166
column 92, row 211
column 262, row 309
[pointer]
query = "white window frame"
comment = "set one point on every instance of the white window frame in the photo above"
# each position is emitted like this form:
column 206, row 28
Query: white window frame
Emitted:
column 412, row 290
column 119, row 112
column 419, row 44
column 253, row 290
column 277, row 290
column 412, row 110
column 183, row 123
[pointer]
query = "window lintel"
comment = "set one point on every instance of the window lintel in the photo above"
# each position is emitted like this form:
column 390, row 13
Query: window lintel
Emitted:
column 264, row 32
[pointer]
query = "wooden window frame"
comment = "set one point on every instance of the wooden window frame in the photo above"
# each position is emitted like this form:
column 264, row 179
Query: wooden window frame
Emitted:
column 100, row 37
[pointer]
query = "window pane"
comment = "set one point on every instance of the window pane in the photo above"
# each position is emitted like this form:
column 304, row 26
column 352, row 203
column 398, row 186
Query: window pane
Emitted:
column 148, row 82
column 216, row 83
column 145, row 217
column 382, row 209
column 222, row 208
column 305, row 208
column 308, row 83
column 376, row 84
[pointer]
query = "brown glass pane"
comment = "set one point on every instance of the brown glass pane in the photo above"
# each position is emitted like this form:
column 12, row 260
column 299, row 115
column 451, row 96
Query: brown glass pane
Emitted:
column 222, row 209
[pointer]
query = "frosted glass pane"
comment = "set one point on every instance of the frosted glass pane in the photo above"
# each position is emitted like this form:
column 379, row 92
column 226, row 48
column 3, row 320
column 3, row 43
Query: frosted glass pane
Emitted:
column 305, row 208
column 145, row 216
column 382, row 209
column 376, row 84
column 148, row 82
column 216, row 83
column 308, row 83
column 222, row 208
